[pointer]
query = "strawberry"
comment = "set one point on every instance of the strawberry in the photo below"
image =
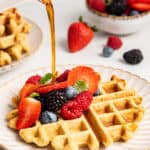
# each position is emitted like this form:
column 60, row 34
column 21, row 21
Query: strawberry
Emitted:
column 97, row 4
column 140, row 6
column 138, row 1
column 29, row 112
column 28, row 89
column 86, row 74
column 51, row 87
column 79, row 36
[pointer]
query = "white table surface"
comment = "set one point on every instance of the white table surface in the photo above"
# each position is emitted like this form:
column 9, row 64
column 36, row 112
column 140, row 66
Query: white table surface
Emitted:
column 66, row 12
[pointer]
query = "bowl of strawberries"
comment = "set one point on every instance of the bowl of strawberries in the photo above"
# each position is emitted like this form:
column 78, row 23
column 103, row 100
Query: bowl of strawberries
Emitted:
column 119, row 16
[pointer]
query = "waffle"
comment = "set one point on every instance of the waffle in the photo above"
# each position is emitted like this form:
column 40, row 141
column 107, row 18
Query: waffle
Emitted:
column 115, row 115
column 112, row 116
column 13, row 31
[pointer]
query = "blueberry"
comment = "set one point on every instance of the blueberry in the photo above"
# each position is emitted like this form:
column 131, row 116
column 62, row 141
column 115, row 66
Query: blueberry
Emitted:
column 97, row 93
column 107, row 51
column 133, row 13
column 48, row 117
column 71, row 92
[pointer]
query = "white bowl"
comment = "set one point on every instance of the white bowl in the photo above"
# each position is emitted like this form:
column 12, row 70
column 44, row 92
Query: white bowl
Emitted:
column 118, row 24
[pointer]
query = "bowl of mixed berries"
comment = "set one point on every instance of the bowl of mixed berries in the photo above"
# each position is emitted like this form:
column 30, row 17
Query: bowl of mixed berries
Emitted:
column 119, row 16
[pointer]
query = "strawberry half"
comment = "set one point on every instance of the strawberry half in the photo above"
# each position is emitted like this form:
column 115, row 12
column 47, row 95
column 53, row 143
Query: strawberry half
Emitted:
column 140, row 6
column 86, row 74
column 50, row 87
column 28, row 89
column 29, row 112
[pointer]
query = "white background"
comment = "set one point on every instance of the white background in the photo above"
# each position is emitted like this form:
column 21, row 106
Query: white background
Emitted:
column 66, row 12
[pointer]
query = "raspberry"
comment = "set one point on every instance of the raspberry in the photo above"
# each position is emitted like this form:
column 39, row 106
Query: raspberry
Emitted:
column 71, row 110
column 114, row 42
column 34, row 79
column 63, row 76
column 84, row 100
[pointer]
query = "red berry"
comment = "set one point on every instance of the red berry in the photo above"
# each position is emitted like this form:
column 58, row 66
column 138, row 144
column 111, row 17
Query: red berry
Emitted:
column 51, row 87
column 79, row 36
column 114, row 42
column 71, row 110
column 29, row 112
column 140, row 6
column 97, row 4
column 63, row 76
column 34, row 79
column 84, row 100
column 86, row 74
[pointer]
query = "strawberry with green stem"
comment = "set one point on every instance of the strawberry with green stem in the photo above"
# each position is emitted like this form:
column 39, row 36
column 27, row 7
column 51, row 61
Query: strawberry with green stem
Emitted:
column 80, row 35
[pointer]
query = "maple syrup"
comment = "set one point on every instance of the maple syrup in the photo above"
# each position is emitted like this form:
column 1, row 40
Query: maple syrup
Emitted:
column 50, row 12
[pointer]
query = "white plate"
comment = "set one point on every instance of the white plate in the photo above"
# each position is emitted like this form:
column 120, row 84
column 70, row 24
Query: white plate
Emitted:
column 140, row 141
column 35, row 38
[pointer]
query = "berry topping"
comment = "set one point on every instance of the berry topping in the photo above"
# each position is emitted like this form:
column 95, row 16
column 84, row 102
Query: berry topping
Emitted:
column 48, row 117
column 134, row 56
column 33, row 79
column 71, row 110
column 50, row 87
column 63, row 77
column 54, row 100
column 117, row 7
column 71, row 92
column 79, row 35
column 140, row 6
column 107, row 51
column 28, row 89
column 84, row 100
column 114, row 42
column 85, row 74
column 97, row 93
column 29, row 112
column 97, row 5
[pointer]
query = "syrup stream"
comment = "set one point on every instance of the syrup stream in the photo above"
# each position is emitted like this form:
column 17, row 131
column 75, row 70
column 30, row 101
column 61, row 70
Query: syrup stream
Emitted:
column 50, row 13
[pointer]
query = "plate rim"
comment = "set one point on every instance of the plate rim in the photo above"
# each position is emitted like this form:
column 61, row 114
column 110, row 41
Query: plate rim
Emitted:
column 63, row 65
column 8, row 67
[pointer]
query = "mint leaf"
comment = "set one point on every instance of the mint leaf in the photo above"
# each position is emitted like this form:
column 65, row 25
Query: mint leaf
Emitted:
column 34, row 94
column 81, row 85
column 47, row 77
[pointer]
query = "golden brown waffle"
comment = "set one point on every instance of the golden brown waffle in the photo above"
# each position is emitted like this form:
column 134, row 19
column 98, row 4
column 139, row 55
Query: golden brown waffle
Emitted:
column 115, row 115
column 13, row 39
column 112, row 116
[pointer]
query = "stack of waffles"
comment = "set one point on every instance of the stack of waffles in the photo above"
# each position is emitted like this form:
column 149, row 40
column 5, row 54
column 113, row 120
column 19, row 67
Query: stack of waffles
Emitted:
column 112, row 116
column 13, row 36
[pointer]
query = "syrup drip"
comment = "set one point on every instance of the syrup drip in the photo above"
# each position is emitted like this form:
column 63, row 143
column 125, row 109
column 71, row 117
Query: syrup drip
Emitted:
column 50, row 12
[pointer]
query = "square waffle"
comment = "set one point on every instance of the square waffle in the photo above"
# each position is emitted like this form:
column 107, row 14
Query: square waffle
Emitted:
column 112, row 116
column 115, row 115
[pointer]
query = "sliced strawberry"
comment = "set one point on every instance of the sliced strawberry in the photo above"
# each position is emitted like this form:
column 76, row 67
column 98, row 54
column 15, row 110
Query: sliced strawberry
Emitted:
column 140, row 6
column 51, row 87
column 138, row 1
column 28, row 89
column 86, row 74
column 34, row 79
column 29, row 112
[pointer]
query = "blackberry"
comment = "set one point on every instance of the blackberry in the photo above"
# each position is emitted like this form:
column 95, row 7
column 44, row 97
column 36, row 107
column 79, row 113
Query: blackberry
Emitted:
column 134, row 56
column 116, row 7
column 54, row 100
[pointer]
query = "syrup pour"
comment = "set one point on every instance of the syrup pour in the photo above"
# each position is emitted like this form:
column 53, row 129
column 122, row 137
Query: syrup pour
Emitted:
column 50, row 12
